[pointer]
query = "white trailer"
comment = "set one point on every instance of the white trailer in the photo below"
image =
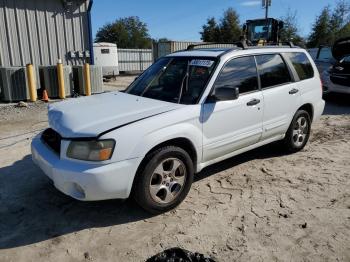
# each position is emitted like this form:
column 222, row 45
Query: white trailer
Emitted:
column 106, row 56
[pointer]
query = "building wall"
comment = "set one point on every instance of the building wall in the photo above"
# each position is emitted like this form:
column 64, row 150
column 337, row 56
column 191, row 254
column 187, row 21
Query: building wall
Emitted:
column 165, row 48
column 42, row 31
column 134, row 60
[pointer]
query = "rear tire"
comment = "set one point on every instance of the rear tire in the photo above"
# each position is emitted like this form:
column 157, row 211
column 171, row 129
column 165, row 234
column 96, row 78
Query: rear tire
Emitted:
column 298, row 132
column 164, row 180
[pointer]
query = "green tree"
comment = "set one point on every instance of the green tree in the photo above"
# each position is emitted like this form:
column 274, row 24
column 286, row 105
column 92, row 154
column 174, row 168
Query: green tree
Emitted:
column 344, row 32
column 230, row 29
column 127, row 32
column 331, row 25
column 290, row 31
column 320, row 32
column 211, row 31
column 339, row 19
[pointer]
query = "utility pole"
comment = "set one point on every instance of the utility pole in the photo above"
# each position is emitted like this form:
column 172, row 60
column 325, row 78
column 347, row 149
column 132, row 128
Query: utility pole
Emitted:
column 266, row 4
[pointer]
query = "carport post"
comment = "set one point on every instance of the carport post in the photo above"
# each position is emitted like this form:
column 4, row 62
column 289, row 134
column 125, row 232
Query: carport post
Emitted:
column 60, row 78
column 31, row 83
column 87, row 79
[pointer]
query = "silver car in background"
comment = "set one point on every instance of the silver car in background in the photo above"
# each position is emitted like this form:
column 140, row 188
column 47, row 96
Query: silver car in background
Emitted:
column 323, row 57
column 336, row 79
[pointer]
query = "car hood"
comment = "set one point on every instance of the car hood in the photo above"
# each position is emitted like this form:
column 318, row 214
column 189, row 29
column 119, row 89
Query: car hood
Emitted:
column 94, row 115
column 341, row 48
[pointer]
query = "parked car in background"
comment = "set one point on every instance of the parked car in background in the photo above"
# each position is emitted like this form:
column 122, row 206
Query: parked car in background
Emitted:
column 337, row 78
column 323, row 57
column 187, row 111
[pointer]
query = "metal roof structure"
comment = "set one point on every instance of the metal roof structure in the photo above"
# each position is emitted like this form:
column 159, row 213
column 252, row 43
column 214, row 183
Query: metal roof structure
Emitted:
column 42, row 31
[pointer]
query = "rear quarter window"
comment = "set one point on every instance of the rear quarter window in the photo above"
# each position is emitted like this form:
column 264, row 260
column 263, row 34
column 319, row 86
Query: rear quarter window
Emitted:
column 301, row 64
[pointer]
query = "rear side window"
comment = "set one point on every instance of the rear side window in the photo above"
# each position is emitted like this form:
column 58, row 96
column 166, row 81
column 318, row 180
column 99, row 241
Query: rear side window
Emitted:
column 239, row 72
column 301, row 64
column 272, row 70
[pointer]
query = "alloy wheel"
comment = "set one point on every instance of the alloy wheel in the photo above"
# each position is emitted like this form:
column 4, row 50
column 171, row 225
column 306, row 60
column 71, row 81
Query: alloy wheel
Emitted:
column 167, row 180
column 300, row 131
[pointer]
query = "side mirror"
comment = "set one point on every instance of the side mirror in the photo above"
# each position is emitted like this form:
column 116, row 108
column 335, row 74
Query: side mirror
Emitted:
column 224, row 93
column 244, row 27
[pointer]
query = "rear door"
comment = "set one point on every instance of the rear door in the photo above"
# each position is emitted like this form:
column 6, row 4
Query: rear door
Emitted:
column 232, row 125
column 280, row 92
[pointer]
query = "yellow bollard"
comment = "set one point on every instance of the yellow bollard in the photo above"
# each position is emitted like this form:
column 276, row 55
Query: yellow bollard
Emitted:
column 60, row 78
column 87, row 79
column 31, row 83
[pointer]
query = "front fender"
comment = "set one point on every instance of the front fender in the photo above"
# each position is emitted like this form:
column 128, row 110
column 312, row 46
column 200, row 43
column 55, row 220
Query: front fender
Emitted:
column 137, row 139
column 189, row 131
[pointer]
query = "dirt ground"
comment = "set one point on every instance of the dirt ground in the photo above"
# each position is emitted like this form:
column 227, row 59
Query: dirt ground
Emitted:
column 120, row 83
column 259, row 206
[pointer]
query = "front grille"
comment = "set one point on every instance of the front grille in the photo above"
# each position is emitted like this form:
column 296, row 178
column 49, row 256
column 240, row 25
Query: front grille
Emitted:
column 341, row 80
column 53, row 139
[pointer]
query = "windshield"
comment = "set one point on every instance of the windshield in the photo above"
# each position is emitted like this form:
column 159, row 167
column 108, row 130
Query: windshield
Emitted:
column 174, row 79
column 259, row 30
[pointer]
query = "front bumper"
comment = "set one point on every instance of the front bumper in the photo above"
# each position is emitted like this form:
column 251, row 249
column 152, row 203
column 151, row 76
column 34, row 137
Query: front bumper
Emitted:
column 85, row 181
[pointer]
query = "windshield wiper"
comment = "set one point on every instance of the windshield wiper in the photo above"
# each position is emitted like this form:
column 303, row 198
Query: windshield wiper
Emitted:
column 185, row 78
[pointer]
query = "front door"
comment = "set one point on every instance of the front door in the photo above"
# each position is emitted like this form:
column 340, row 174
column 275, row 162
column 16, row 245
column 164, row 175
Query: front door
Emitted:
column 232, row 125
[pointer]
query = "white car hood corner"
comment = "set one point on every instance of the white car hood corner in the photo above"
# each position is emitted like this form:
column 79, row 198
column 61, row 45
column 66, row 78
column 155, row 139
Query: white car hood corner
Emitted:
column 94, row 115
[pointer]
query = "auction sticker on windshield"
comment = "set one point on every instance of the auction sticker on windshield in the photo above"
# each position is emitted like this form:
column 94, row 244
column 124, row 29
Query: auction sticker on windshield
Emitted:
column 204, row 63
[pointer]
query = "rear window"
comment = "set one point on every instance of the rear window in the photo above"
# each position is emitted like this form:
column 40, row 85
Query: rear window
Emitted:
column 272, row 70
column 301, row 64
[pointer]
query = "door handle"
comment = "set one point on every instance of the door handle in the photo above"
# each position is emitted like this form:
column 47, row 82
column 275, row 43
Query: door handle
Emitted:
column 253, row 102
column 293, row 91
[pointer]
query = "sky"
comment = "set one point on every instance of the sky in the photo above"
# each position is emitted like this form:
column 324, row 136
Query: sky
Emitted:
column 183, row 19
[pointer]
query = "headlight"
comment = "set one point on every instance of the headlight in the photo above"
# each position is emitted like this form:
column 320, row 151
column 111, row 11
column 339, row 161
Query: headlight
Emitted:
column 99, row 150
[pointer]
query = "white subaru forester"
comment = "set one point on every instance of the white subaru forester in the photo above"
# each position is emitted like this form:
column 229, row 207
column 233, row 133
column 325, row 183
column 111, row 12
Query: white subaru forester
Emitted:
column 189, row 110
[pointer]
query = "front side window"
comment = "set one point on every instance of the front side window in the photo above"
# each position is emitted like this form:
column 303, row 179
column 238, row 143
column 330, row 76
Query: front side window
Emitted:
column 174, row 79
column 272, row 70
column 239, row 72
column 301, row 64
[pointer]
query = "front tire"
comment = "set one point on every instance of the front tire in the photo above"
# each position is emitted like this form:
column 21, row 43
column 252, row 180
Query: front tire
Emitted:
column 298, row 133
column 164, row 180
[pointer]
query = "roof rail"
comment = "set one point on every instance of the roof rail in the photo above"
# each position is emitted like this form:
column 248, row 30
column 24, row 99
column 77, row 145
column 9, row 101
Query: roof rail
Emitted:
column 271, row 45
column 289, row 43
column 241, row 44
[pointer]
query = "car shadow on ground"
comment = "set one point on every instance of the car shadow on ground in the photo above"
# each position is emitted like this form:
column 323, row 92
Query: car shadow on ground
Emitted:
column 337, row 104
column 32, row 210
column 268, row 151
